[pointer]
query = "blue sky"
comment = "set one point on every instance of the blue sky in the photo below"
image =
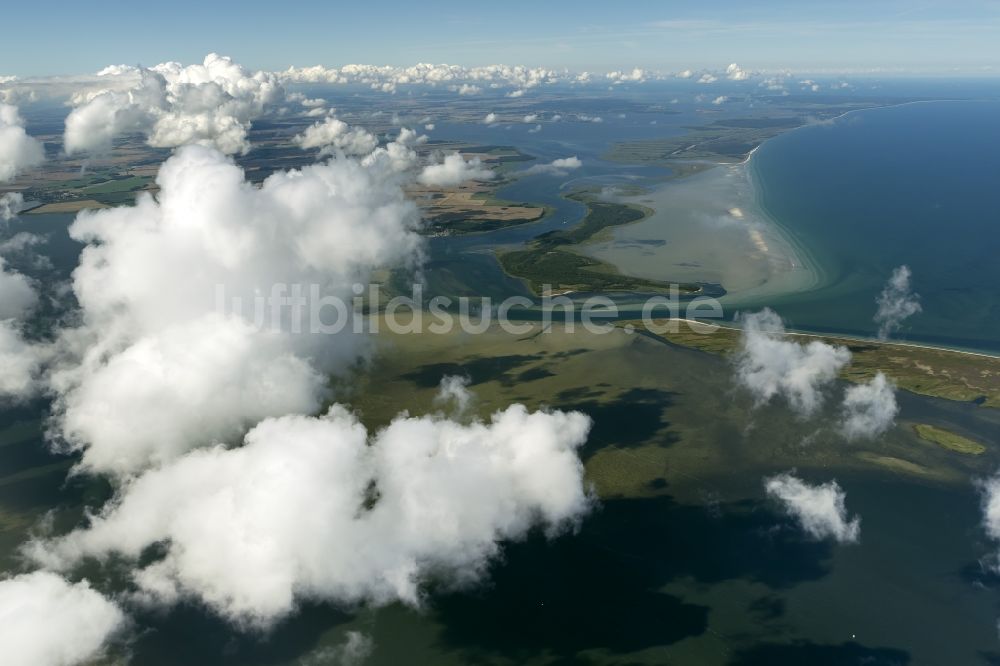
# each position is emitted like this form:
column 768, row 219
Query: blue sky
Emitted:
column 68, row 38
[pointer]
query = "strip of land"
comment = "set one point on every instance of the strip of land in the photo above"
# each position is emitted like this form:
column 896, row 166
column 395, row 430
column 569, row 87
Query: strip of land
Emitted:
column 948, row 440
column 727, row 140
column 931, row 371
column 551, row 259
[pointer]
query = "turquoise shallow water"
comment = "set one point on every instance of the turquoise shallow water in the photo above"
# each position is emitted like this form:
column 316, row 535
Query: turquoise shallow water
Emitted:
column 915, row 184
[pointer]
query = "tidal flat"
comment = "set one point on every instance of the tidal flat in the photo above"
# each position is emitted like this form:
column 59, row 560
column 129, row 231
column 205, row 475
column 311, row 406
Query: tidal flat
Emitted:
column 706, row 228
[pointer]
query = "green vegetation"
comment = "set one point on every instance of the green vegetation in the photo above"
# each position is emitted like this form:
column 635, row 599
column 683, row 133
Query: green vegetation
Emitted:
column 725, row 140
column 600, row 215
column 941, row 373
column 715, row 143
column 123, row 184
column 460, row 223
column 551, row 261
column 107, row 186
column 949, row 440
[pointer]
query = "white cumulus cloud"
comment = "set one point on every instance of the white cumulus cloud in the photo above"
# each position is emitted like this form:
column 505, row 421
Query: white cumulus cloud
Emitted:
column 334, row 135
column 819, row 509
column 768, row 365
column 896, row 303
column 20, row 361
column 18, row 150
column 556, row 167
column 453, row 170
column 989, row 490
column 10, row 204
column 212, row 103
column 159, row 364
column 317, row 508
column 869, row 409
column 47, row 621
column 736, row 73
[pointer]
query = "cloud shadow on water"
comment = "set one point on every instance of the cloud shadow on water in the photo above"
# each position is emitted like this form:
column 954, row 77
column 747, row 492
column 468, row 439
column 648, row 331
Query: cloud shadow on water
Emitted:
column 634, row 418
column 601, row 588
column 188, row 634
column 813, row 654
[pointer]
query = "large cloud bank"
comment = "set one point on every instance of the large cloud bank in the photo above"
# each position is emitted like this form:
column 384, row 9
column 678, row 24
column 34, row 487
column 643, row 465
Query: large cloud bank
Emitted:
column 514, row 79
column 455, row 77
column 819, row 509
column 896, row 303
column 46, row 621
column 200, row 406
column 315, row 508
column 211, row 104
column 162, row 364
column 18, row 150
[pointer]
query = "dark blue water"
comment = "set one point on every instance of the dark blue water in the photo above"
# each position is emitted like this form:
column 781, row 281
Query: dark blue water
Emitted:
column 917, row 184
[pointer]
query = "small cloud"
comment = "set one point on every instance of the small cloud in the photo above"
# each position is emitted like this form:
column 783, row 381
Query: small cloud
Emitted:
column 735, row 73
column 990, row 492
column 819, row 510
column 334, row 135
column 768, row 365
column 490, row 118
column 896, row 302
column 556, row 167
column 11, row 204
column 48, row 621
column 869, row 410
column 721, row 99
column 455, row 390
column 454, row 170
column 18, row 150
column 352, row 652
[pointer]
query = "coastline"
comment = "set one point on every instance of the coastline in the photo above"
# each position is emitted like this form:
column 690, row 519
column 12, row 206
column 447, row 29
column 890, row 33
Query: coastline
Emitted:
column 794, row 267
column 709, row 228
column 852, row 338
